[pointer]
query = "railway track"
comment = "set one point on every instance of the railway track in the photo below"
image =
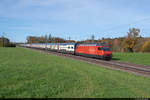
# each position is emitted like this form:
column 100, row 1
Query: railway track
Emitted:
column 115, row 65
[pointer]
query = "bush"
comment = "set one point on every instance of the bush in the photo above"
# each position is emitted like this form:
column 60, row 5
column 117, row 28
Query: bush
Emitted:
column 1, row 45
column 11, row 45
column 146, row 46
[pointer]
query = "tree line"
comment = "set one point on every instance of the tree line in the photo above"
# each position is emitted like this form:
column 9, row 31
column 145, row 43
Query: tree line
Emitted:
column 47, row 39
column 132, row 42
column 5, row 42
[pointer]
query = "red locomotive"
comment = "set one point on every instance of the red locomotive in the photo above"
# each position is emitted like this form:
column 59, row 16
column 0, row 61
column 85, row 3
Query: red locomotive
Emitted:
column 97, row 50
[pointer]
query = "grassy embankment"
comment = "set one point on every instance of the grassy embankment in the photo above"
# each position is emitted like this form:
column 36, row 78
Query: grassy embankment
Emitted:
column 137, row 58
column 25, row 73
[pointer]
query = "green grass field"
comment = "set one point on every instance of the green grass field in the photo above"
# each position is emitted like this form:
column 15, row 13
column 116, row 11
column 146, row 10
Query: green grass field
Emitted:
column 137, row 58
column 26, row 73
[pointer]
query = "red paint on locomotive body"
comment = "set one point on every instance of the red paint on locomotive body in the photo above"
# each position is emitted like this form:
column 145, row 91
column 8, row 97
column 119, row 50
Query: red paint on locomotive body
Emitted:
column 94, row 51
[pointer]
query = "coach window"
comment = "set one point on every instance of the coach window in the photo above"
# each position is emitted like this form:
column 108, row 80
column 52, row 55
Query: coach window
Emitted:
column 68, row 47
column 71, row 47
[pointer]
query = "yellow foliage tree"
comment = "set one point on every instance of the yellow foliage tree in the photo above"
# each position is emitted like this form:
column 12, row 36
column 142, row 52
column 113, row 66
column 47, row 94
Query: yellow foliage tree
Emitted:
column 146, row 46
column 131, row 39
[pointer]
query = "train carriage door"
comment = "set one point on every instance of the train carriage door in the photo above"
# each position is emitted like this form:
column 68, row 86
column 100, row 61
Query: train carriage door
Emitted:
column 58, row 48
column 91, row 50
column 50, row 47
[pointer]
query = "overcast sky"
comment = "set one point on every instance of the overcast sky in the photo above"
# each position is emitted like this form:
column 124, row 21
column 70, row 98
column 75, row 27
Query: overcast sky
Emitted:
column 78, row 19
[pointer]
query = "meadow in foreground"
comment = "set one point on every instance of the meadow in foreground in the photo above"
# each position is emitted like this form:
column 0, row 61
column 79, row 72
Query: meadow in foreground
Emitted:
column 26, row 73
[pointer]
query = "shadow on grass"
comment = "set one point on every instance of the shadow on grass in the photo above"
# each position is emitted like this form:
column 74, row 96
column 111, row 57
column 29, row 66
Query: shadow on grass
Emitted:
column 115, row 59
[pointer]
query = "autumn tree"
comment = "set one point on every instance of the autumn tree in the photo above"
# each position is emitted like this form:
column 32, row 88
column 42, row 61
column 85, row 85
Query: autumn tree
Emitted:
column 31, row 39
column 116, row 45
column 45, row 38
column 146, row 46
column 49, row 38
column 102, row 40
column 131, row 39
